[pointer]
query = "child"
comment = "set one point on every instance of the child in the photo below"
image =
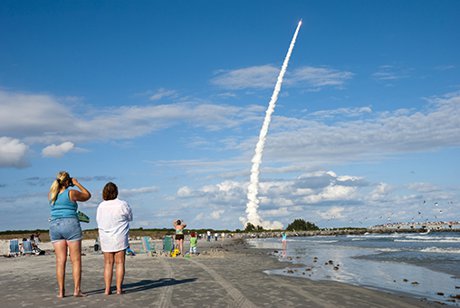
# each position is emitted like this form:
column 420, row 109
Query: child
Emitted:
column 193, row 242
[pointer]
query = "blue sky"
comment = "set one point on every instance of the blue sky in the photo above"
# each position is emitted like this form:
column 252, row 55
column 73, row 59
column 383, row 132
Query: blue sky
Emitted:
column 167, row 98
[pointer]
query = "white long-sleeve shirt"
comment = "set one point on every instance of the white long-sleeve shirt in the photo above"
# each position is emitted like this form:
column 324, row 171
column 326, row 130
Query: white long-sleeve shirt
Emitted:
column 113, row 217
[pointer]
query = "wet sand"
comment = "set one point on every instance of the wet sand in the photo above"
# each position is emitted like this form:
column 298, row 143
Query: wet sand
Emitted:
column 226, row 274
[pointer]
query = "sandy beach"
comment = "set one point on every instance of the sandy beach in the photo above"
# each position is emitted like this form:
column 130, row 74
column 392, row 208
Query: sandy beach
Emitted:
column 226, row 274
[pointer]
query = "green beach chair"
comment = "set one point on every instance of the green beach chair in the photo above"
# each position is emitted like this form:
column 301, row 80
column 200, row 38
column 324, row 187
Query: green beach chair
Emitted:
column 147, row 247
column 168, row 244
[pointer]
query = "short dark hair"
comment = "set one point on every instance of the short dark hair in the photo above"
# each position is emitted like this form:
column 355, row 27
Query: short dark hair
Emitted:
column 110, row 191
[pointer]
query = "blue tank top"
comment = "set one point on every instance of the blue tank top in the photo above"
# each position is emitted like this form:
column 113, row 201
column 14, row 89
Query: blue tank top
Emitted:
column 64, row 207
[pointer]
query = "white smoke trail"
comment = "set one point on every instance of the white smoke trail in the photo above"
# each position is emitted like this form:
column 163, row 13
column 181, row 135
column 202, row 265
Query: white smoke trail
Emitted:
column 253, row 201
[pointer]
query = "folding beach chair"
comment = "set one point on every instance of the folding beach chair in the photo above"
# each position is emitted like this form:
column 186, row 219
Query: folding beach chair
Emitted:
column 14, row 248
column 168, row 244
column 149, row 249
column 27, row 247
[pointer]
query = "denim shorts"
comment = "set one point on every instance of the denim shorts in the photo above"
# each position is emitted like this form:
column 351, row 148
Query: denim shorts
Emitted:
column 65, row 229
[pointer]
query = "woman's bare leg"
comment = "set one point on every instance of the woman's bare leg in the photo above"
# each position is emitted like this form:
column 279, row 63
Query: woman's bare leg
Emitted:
column 75, row 257
column 181, row 247
column 108, row 271
column 60, row 250
column 120, row 269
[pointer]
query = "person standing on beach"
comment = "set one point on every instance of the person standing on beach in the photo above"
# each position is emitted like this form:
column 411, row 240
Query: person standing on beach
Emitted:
column 179, row 226
column 193, row 243
column 284, row 242
column 284, row 239
column 65, row 229
column 113, row 217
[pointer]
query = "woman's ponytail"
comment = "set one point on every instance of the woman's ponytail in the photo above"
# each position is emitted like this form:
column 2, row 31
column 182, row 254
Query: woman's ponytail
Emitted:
column 56, row 186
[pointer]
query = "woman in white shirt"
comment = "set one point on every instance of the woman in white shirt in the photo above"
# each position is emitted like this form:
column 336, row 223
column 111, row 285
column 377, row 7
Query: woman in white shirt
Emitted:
column 113, row 217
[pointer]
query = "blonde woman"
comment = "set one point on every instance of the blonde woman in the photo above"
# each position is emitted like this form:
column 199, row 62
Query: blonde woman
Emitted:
column 113, row 217
column 65, row 230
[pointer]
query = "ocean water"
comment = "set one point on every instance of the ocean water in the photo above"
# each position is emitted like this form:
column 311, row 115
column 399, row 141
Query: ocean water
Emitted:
column 424, row 265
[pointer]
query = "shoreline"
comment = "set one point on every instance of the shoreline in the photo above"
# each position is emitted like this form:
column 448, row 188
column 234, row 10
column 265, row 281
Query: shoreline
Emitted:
column 227, row 273
column 293, row 267
column 381, row 264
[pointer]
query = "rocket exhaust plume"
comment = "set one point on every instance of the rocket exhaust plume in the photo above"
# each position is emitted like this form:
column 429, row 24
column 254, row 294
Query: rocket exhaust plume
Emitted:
column 253, row 201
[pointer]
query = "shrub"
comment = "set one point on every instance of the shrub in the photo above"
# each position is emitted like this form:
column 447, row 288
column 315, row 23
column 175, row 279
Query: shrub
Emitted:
column 301, row 225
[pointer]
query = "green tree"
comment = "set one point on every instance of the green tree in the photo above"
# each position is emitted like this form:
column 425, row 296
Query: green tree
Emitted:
column 250, row 227
column 301, row 225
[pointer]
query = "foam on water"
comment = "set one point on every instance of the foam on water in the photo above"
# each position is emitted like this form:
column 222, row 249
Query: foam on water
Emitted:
column 427, row 241
column 435, row 238
column 388, row 249
column 441, row 250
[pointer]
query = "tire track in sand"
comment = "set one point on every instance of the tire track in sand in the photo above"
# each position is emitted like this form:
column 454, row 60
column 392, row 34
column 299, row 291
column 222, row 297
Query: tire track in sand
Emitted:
column 235, row 294
column 166, row 294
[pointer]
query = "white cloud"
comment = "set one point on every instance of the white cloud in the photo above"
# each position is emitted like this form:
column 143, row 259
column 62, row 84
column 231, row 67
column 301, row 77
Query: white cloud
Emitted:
column 330, row 187
column 44, row 119
column 318, row 77
column 32, row 114
column 390, row 73
column 334, row 212
column 261, row 77
column 423, row 187
column 228, row 186
column 58, row 150
column 139, row 190
column 445, row 67
column 323, row 197
column 200, row 217
column 343, row 112
column 283, row 211
column 278, row 198
column 217, row 214
column 302, row 142
column 162, row 93
column 184, row 192
column 380, row 192
column 264, row 76
column 374, row 137
column 12, row 152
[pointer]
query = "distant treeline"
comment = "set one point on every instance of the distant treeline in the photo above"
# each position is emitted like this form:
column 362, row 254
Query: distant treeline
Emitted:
column 155, row 233
column 7, row 232
column 131, row 229
column 187, row 229
column 164, row 230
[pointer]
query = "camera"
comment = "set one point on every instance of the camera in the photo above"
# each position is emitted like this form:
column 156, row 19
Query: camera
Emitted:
column 71, row 182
